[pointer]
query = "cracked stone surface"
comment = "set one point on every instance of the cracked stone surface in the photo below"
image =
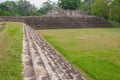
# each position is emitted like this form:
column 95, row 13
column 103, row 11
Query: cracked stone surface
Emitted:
column 42, row 62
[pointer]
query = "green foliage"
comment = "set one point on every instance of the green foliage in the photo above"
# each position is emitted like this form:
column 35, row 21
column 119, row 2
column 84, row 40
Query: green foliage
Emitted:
column 8, row 8
column 108, row 9
column 115, row 10
column 115, row 23
column 48, row 5
column 69, row 4
column 83, row 6
column 6, row 13
column 3, row 7
column 86, row 5
column 1, row 12
column 19, row 8
column 101, row 8
column 25, row 8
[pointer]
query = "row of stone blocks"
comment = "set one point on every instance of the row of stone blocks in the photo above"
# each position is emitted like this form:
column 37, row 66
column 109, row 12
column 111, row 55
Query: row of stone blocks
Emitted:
column 43, row 62
column 46, row 22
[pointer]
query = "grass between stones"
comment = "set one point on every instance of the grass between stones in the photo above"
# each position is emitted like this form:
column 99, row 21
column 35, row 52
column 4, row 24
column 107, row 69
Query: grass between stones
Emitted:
column 94, row 51
column 10, row 52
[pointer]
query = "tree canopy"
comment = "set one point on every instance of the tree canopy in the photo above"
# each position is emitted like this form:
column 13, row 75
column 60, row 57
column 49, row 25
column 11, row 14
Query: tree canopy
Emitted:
column 48, row 5
column 19, row 8
column 108, row 9
column 24, row 8
column 69, row 4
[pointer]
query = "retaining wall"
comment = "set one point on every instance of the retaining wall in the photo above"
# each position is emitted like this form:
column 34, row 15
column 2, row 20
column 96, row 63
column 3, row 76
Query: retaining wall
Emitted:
column 46, row 22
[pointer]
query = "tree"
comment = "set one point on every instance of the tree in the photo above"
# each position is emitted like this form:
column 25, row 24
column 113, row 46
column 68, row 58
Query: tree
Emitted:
column 86, row 5
column 69, row 4
column 48, row 5
column 25, row 8
column 1, row 12
column 19, row 8
column 5, row 9
column 11, row 7
column 108, row 9
column 101, row 8
column 115, row 10
column 89, row 3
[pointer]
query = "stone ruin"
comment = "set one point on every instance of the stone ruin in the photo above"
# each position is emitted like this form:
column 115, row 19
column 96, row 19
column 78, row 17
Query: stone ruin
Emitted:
column 58, row 18
column 63, row 13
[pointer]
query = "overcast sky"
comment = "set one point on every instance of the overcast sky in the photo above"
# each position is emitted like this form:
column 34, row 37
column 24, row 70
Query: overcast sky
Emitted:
column 37, row 3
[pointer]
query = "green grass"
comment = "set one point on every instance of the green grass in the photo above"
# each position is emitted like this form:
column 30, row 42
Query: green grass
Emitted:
column 96, row 52
column 1, row 27
column 10, row 52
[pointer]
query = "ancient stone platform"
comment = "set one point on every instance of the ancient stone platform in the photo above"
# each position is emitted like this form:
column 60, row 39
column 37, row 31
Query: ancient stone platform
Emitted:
column 61, row 19
column 42, row 62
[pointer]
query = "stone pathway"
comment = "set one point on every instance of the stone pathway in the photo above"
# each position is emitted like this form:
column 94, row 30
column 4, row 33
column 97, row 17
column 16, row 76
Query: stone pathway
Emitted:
column 42, row 62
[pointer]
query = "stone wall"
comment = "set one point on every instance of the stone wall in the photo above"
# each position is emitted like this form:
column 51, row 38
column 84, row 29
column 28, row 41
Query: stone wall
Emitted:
column 66, row 22
column 46, row 22
column 12, row 18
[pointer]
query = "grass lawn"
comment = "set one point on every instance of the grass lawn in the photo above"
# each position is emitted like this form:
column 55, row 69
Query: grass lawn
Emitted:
column 96, row 52
column 10, row 52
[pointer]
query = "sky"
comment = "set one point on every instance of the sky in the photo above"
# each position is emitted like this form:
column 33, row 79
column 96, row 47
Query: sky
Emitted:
column 37, row 3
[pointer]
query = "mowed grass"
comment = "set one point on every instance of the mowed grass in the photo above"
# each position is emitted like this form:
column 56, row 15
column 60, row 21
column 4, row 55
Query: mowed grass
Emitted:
column 96, row 52
column 10, row 52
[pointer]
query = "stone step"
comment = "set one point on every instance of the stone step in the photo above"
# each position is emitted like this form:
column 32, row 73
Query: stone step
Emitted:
column 52, row 74
column 27, row 60
column 38, row 66
column 48, row 64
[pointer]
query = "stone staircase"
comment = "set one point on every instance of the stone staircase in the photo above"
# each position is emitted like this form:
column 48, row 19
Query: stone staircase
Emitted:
column 42, row 62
